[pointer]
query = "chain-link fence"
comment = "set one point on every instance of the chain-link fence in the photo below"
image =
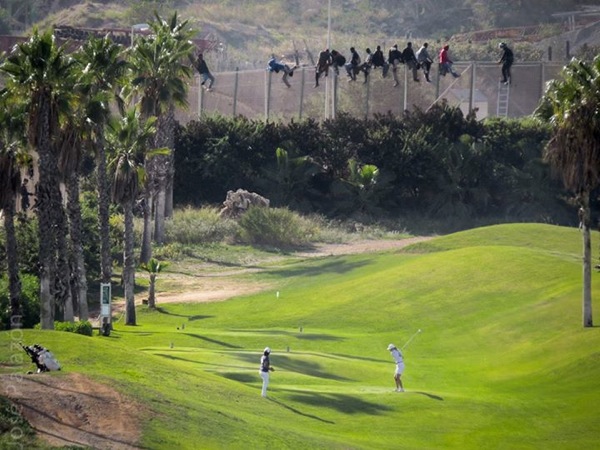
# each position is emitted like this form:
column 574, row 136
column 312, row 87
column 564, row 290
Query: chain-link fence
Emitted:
column 262, row 94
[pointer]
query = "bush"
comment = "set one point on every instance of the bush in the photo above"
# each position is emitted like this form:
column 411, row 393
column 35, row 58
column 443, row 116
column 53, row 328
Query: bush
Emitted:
column 83, row 327
column 199, row 226
column 30, row 302
column 277, row 227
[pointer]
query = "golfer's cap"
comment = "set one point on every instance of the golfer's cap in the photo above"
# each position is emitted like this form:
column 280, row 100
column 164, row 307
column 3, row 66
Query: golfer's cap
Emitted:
column 391, row 347
column 267, row 350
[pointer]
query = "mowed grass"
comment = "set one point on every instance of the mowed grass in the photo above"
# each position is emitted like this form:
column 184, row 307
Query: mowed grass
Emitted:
column 502, row 360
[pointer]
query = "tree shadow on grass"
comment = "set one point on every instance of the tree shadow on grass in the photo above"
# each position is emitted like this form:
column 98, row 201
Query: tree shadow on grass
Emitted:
column 189, row 318
column 296, row 334
column 296, row 411
column 431, row 396
column 212, row 341
column 304, row 367
column 343, row 403
column 339, row 266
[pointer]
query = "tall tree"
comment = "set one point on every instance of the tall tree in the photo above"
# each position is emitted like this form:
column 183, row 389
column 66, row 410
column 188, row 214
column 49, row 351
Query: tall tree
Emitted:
column 11, row 126
column 161, row 70
column 572, row 105
column 127, row 139
column 39, row 72
column 101, row 70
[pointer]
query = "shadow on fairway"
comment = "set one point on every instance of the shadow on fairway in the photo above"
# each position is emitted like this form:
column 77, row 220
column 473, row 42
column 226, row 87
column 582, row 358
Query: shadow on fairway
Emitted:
column 212, row 341
column 434, row 397
column 340, row 402
column 296, row 334
column 295, row 411
column 302, row 366
column 189, row 318
column 337, row 266
column 241, row 377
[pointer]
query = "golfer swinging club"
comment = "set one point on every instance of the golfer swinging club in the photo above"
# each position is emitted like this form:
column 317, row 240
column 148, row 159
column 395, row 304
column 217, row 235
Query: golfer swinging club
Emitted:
column 397, row 355
column 265, row 368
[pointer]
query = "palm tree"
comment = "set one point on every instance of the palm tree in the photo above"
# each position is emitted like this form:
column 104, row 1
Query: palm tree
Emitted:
column 572, row 105
column 99, row 69
column 127, row 138
column 102, row 70
column 161, row 69
column 39, row 72
column 153, row 267
column 11, row 126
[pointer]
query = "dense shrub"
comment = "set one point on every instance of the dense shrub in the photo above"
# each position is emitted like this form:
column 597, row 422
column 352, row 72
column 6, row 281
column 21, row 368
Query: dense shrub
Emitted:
column 30, row 302
column 277, row 227
column 83, row 327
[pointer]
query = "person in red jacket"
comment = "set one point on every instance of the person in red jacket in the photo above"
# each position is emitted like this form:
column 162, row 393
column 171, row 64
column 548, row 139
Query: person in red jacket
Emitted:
column 446, row 63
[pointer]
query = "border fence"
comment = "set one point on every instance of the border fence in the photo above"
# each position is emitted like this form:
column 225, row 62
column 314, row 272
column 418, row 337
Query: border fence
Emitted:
column 262, row 94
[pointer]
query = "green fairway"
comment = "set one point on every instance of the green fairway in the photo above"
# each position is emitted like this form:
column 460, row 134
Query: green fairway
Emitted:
column 502, row 360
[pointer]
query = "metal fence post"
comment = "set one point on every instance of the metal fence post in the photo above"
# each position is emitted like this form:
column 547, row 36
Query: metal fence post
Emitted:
column 302, row 82
column 334, row 96
column 200, row 98
column 235, row 91
column 268, row 75
column 405, row 107
column 472, row 90
column 367, row 94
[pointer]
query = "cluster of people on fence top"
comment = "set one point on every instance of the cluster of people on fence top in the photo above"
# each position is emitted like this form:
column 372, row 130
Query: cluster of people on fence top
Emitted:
column 420, row 59
column 414, row 61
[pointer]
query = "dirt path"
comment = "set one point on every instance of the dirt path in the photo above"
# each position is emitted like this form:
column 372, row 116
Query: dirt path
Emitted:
column 71, row 409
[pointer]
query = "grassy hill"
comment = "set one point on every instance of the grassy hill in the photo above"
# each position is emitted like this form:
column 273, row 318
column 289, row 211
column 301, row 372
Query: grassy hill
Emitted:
column 502, row 360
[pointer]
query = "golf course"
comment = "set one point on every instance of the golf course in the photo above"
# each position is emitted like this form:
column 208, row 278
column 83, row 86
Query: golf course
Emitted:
column 502, row 360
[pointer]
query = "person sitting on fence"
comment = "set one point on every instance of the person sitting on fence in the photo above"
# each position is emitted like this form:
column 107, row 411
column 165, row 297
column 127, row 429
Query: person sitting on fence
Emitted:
column 337, row 60
column 378, row 60
column 408, row 55
column 424, row 60
column 322, row 66
column 367, row 64
column 446, row 63
column 394, row 59
column 353, row 67
column 276, row 66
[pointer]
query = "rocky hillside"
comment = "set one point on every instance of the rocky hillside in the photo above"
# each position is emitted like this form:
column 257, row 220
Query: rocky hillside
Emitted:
column 249, row 30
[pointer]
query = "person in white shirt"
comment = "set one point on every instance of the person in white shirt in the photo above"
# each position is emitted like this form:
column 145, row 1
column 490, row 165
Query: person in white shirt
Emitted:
column 265, row 368
column 397, row 355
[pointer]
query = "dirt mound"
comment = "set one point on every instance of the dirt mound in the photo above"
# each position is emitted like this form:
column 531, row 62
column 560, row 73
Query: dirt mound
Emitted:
column 71, row 409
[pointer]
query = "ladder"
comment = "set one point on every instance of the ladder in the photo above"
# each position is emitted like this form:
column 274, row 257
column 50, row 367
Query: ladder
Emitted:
column 503, row 98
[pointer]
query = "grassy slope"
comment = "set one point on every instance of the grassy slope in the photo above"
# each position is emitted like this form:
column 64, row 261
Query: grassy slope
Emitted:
column 502, row 360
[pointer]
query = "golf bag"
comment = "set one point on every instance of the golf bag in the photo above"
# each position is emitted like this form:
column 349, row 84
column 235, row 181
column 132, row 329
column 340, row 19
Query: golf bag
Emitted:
column 42, row 358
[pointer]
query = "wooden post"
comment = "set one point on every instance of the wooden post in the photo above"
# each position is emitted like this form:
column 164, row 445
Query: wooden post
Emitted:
column 268, row 75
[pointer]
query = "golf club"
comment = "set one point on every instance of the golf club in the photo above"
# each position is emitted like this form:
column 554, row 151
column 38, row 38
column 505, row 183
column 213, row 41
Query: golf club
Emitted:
column 410, row 339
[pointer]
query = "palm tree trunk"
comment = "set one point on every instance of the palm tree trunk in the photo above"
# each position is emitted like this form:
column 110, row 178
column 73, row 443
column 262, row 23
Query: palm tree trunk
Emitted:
column 47, row 176
column 103, row 209
column 129, row 266
column 62, row 294
column 79, row 272
column 163, row 170
column 14, row 280
column 159, row 216
column 152, row 292
column 587, row 262
column 46, row 255
column 146, row 250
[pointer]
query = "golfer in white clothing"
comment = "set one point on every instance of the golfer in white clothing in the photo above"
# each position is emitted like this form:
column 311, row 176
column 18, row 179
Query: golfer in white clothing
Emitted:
column 397, row 355
column 265, row 368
